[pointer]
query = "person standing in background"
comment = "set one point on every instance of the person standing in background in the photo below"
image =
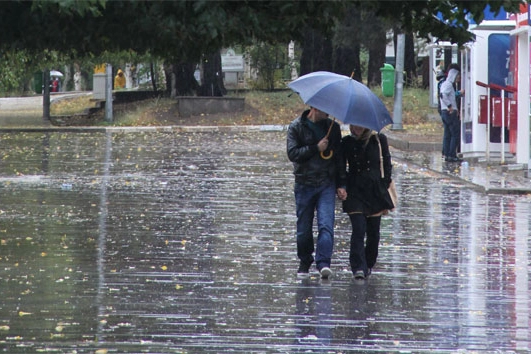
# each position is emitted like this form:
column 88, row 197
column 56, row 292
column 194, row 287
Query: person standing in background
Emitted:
column 441, row 76
column 450, row 114
column 119, row 80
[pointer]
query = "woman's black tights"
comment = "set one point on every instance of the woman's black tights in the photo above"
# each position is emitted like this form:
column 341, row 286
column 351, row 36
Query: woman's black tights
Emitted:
column 364, row 242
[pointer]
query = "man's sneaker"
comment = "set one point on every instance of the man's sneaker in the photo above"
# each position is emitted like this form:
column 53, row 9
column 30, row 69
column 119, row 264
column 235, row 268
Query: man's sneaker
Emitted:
column 369, row 271
column 359, row 275
column 325, row 272
column 304, row 271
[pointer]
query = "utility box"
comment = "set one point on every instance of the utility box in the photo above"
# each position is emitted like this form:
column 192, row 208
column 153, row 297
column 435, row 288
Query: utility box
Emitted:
column 388, row 80
column 37, row 82
column 99, row 85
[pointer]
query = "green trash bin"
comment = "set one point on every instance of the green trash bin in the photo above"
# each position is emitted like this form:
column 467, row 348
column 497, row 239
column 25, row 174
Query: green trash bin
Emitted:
column 388, row 80
column 37, row 82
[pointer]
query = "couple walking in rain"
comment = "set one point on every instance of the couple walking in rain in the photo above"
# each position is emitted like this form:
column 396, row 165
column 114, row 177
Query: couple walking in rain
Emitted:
column 357, row 168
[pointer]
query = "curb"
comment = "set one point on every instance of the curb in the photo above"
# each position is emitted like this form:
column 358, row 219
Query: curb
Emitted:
column 413, row 146
column 168, row 128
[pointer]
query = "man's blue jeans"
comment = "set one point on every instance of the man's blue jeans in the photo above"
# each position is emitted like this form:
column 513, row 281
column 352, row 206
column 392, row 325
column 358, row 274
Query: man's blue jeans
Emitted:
column 311, row 199
column 452, row 132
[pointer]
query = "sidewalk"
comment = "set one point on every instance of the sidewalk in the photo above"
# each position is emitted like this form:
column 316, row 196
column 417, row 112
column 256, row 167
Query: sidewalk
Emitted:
column 490, row 177
column 25, row 114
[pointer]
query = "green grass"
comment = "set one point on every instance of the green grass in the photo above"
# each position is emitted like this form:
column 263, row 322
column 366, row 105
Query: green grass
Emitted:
column 71, row 105
column 278, row 107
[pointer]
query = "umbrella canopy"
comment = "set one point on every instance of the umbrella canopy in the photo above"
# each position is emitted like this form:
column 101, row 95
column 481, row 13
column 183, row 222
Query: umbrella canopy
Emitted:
column 344, row 98
column 55, row 73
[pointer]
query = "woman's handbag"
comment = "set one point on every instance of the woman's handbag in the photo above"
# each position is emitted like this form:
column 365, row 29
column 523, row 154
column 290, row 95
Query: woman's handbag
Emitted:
column 393, row 194
column 392, row 187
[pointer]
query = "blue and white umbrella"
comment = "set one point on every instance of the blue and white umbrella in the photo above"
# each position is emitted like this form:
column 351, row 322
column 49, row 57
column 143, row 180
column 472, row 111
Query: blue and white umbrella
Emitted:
column 343, row 98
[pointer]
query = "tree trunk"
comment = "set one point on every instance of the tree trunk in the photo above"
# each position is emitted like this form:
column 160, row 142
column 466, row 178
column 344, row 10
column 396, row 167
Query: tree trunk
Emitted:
column 46, row 96
column 128, row 72
column 347, row 61
column 153, row 78
column 169, row 72
column 77, row 77
column 186, row 82
column 410, row 65
column 346, row 55
column 212, row 83
column 67, row 79
column 410, row 61
column 425, row 72
column 316, row 53
column 376, row 59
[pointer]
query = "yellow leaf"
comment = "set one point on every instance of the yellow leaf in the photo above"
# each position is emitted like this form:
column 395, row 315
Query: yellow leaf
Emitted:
column 178, row 287
column 164, row 267
column 43, row 254
column 22, row 313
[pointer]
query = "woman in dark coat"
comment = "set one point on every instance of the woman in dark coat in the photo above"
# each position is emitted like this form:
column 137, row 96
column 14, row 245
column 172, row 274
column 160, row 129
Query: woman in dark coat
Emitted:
column 367, row 198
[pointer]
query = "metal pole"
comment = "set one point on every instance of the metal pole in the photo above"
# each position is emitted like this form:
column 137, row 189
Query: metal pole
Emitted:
column 503, row 127
column 487, row 152
column 399, row 80
column 108, row 93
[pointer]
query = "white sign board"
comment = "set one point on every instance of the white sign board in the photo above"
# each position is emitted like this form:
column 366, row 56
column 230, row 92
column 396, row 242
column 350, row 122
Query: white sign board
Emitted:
column 232, row 63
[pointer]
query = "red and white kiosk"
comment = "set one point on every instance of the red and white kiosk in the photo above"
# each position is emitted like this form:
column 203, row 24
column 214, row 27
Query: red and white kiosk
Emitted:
column 487, row 130
column 495, row 73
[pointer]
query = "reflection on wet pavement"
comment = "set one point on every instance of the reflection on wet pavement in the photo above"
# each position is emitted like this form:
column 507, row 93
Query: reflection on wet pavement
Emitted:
column 492, row 177
column 165, row 242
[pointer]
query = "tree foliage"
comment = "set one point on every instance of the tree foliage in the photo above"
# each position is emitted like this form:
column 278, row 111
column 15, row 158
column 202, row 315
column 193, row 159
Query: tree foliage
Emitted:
column 420, row 16
column 267, row 59
column 188, row 29
column 182, row 29
column 183, row 32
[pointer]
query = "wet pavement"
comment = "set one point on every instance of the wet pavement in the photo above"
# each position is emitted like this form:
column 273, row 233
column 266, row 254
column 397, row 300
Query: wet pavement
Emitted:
column 490, row 176
column 174, row 240
column 27, row 112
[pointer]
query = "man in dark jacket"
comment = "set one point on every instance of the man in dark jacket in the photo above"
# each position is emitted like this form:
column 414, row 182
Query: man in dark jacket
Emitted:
column 316, row 165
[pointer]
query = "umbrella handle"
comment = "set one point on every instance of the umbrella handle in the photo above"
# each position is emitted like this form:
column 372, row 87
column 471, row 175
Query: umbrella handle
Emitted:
column 330, row 128
column 327, row 157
